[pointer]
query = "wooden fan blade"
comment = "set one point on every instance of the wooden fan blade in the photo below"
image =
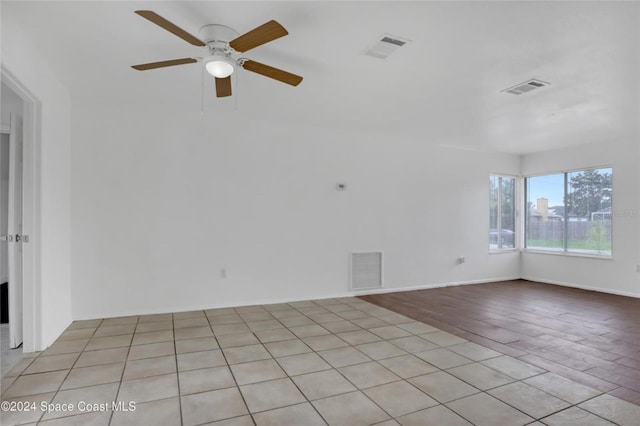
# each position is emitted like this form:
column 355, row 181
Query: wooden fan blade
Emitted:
column 162, row 64
column 258, row 36
column 271, row 72
column 171, row 27
column 223, row 87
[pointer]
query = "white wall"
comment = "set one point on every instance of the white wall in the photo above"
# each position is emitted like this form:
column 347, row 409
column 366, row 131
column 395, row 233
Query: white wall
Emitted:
column 619, row 274
column 162, row 201
column 53, row 299
column 10, row 103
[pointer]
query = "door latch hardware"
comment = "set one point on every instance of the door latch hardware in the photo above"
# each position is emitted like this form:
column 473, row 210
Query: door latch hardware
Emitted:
column 6, row 238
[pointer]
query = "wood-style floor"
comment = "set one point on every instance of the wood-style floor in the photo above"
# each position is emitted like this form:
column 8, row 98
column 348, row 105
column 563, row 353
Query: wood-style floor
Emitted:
column 589, row 337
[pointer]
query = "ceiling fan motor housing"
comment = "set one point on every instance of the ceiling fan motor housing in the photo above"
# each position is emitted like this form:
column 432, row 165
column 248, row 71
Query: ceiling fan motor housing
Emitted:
column 217, row 36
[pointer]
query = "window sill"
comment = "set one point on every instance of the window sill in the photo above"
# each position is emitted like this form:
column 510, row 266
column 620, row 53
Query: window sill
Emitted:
column 569, row 254
column 501, row 251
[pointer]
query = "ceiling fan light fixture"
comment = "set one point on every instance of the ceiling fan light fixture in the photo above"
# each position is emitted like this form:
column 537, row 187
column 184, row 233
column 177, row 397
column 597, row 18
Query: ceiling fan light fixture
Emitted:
column 220, row 66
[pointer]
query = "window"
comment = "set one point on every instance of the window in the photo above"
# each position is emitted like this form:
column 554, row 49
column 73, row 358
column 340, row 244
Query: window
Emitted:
column 570, row 212
column 502, row 212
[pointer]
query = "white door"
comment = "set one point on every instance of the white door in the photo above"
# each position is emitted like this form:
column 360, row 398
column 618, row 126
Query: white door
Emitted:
column 15, row 230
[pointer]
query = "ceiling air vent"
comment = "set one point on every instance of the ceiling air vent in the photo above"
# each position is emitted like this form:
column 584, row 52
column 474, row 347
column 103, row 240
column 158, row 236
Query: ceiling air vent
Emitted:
column 385, row 45
column 525, row 87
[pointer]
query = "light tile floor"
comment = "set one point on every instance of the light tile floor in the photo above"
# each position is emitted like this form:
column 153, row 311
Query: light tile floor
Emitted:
column 8, row 357
column 337, row 362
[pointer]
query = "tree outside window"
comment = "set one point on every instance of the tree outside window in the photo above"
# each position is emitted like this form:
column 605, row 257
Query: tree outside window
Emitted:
column 570, row 212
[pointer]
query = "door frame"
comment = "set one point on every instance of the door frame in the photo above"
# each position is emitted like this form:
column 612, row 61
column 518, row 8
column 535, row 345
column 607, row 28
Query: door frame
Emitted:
column 31, row 187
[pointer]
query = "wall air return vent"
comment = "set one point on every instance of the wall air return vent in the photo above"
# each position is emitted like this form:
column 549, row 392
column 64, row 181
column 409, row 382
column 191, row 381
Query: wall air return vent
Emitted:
column 385, row 45
column 525, row 87
column 366, row 270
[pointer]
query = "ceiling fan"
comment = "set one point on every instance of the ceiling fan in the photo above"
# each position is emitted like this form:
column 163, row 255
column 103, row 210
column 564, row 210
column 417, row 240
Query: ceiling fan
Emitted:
column 224, row 45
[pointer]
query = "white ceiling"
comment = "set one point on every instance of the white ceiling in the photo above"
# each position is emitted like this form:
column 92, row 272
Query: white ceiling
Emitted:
column 443, row 88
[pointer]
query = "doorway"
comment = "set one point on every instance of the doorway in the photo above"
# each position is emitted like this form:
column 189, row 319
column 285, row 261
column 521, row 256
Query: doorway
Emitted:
column 11, row 222
column 19, row 105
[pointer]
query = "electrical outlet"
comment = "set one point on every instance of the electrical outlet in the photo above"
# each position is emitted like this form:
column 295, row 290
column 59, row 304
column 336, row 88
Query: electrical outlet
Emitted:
column 223, row 273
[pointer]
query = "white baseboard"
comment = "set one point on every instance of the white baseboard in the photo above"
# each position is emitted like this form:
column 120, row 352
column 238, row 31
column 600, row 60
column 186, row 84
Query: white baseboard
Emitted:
column 583, row 287
column 428, row 286
column 345, row 294
column 204, row 307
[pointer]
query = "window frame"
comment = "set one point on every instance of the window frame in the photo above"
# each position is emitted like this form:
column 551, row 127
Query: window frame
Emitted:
column 565, row 250
column 516, row 203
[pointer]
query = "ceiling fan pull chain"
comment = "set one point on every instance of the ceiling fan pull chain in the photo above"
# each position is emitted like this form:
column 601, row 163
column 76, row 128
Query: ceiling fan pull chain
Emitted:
column 202, row 90
column 236, row 91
